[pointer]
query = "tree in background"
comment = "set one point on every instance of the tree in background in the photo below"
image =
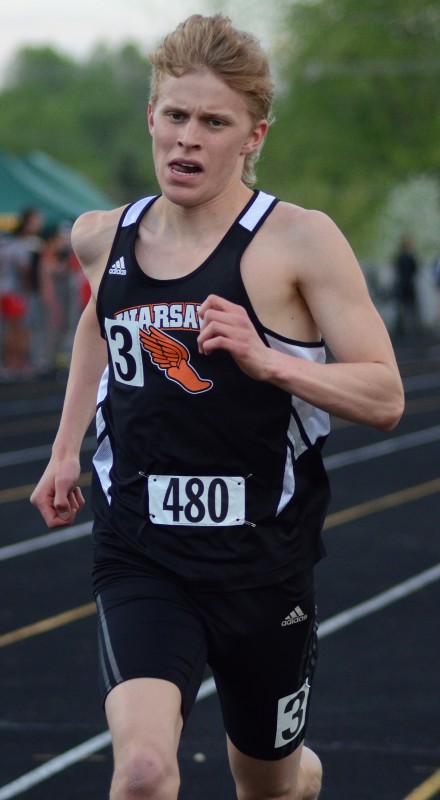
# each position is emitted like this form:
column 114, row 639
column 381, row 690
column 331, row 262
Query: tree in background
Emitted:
column 411, row 208
column 359, row 107
column 90, row 115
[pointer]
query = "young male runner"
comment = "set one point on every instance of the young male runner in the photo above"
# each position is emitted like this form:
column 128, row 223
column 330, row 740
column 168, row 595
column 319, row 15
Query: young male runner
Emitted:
column 205, row 334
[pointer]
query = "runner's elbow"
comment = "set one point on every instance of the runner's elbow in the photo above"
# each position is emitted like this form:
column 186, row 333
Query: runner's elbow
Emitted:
column 391, row 413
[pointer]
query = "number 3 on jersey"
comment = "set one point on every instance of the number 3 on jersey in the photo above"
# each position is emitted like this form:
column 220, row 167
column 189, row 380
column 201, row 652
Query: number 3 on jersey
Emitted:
column 196, row 500
column 125, row 351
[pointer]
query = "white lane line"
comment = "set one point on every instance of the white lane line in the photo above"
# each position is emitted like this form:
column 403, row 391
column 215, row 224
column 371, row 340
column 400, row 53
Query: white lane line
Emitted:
column 45, row 541
column 39, row 453
column 57, row 764
column 382, row 448
column 332, row 625
column 414, row 383
column 380, row 601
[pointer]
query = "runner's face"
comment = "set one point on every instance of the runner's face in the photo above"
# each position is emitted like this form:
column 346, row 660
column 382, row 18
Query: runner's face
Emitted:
column 201, row 133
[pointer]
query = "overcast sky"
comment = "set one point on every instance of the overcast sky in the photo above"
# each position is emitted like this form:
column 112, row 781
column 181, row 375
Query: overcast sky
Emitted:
column 74, row 26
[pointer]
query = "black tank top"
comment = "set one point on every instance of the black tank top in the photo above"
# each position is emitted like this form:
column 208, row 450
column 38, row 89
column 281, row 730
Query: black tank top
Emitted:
column 211, row 474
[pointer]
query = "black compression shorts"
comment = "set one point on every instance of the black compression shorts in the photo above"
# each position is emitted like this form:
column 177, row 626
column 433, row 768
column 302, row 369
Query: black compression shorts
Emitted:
column 259, row 643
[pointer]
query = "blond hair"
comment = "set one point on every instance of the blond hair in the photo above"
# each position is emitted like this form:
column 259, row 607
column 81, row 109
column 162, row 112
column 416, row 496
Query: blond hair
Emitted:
column 235, row 56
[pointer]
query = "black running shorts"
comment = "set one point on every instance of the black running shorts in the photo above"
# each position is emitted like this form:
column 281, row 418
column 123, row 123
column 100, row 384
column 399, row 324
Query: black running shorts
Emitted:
column 260, row 644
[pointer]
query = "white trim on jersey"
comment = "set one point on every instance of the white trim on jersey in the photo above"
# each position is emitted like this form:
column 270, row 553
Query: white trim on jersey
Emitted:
column 103, row 461
column 315, row 422
column 100, row 423
column 256, row 211
column 248, row 221
column 103, row 458
column 132, row 214
column 288, row 483
column 102, row 388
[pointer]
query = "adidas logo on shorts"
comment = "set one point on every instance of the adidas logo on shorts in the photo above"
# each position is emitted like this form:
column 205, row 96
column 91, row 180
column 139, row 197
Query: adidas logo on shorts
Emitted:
column 297, row 615
column 118, row 268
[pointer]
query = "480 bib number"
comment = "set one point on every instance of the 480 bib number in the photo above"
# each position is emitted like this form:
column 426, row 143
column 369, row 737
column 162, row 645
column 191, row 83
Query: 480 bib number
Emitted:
column 196, row 500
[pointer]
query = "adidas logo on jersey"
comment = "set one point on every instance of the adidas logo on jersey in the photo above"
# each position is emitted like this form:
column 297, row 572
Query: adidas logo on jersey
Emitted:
column 118, row 268
column 297, row 615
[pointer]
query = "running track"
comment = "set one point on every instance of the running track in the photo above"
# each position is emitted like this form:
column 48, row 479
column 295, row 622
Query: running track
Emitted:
column 375, row 709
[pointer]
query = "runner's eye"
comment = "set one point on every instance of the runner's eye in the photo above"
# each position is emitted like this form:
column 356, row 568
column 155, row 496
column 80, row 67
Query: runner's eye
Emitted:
column 175, row 116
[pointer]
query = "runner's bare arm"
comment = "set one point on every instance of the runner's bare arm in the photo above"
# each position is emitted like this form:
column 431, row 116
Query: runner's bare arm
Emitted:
column 57, row 496
column 363, row 385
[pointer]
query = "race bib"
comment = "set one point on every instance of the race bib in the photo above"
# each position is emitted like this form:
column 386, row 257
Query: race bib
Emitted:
column 196, row 500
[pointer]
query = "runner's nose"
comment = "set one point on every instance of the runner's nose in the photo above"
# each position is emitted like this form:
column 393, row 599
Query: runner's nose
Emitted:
column 188, row 136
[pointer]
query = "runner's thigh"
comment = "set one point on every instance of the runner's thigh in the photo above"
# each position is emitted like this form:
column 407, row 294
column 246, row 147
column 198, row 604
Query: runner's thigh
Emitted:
column 262, row 650
column 148, row 628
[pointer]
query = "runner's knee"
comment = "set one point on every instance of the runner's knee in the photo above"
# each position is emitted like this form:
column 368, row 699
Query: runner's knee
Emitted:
column 310, row 776
column 144, row 774
column 258, row 794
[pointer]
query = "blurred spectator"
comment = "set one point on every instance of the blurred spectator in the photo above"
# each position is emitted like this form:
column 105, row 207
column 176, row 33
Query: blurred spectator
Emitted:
column 61, row 282
column 406, row 267
column 80, row 295
column 82, row 284
column 19, row 293
column 436, row 280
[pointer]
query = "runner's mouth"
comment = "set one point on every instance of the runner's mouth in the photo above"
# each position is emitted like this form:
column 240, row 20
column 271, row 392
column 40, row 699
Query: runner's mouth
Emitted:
column 185, row 167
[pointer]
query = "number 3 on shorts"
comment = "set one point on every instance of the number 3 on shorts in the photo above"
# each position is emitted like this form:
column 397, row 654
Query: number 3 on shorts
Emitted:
column 291, row 715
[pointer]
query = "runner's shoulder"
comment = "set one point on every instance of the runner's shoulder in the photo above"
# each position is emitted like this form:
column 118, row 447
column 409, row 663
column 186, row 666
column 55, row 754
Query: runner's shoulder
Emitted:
column 93, row 234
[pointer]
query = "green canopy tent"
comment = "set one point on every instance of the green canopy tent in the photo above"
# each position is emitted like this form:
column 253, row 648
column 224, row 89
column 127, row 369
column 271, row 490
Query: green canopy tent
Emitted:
column 40, row 181
column 63, row 178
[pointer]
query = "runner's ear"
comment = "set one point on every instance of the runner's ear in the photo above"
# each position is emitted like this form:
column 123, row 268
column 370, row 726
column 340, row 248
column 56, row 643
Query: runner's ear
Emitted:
column 255, row 138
